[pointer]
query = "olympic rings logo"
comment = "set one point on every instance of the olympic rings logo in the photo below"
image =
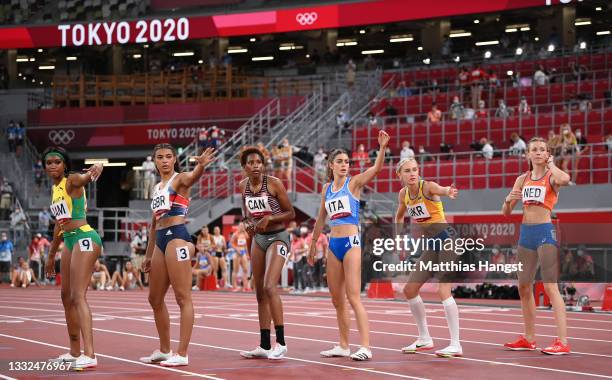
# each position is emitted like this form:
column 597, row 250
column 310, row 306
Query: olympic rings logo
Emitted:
column 61, row 137
column 308, row 18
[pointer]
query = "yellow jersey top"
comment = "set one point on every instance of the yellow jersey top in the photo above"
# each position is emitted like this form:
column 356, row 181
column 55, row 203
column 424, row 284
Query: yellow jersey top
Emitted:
column 63, row 207
column 422, row 209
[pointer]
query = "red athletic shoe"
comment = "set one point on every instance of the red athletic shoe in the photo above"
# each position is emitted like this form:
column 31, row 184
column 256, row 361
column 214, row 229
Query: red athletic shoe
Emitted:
column 557, row 348
column 521, row 344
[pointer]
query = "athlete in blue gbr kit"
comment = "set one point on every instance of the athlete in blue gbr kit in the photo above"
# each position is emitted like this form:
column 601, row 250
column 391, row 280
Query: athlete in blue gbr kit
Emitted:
column 340, row 201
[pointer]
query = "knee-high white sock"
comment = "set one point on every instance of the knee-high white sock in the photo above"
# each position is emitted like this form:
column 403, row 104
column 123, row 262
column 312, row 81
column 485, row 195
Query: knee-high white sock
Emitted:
column 417, row 307
column 452, row 318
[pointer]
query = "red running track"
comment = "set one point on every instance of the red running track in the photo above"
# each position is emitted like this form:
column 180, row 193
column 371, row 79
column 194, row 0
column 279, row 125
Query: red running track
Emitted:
column 32, row 328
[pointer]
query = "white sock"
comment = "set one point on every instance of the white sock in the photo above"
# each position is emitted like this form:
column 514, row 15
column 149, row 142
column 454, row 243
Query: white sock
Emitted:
column 417, row 307
column 452, row 318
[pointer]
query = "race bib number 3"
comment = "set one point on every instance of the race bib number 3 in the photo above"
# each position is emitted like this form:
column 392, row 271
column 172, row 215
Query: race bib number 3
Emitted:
column 282, row 251
column 86, row 245
column 182, row 253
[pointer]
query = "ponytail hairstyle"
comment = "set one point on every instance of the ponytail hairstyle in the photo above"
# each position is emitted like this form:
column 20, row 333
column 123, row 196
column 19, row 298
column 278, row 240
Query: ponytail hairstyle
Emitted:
column 533, row 140
column 60, row 152
column 330, row 159
column 167, row 146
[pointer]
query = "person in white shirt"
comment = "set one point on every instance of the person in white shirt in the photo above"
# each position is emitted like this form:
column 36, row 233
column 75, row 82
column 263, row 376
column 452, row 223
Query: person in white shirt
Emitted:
column 148, row 173
column 487, row 148
column 406, row 152
column 539, row 77
column 518, row 145
column 320, row 165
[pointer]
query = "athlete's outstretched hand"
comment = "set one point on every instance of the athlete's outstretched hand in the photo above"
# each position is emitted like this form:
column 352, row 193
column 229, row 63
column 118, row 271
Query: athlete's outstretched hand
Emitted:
column 514, row 195
column 95, row 171
column 452, row 191
column 146, row 265
column 383, row 138
column 206, row 157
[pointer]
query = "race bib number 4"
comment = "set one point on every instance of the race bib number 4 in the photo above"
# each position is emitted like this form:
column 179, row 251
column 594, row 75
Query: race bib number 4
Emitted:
column 182, row 253
column 338, row 207
column 355, row 242
column 86, row 245
column 418, row 211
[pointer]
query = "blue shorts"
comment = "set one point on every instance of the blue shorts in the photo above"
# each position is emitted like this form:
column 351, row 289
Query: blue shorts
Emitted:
column 339, row 246
column 166, row 235
column 242, row 252
column 535, row 235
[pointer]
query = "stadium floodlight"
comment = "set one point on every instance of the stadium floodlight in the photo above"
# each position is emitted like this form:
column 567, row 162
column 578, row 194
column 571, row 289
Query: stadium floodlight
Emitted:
column 487, row 54
column 511, row 30
column 598, row 9
column 510, row 73
column 265, row 58
column 307, row 55
column 183, row 54
column 146, row 46
column 236, row 50
column 200, row 61
column 41, row 83
column 583, row 45
column 486, row 43
column 40, row 50
column 536, row 39
column 377, row 51
column 93, row 161
column 19, row 74
column 519, row 50
column 477, row 21
column 32, row 59
column 33, row 80
column 362, row 31
column 21, row 60
column 582, row 21
column 603, row 33
column 459, row 33
column 525, row 29
column 71, row 58
column 427, row 61
column 420, row 48
column 252, row 39
column 136, row 168
column 551, row 48
column 401, row 38
column 457, row 59
column 136, row 56
column 47, row 67
column 115, row 164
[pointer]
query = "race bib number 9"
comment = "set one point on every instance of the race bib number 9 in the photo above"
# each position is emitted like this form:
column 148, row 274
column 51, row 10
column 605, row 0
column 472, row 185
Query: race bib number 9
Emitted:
column 86, row 245
column 182, row 253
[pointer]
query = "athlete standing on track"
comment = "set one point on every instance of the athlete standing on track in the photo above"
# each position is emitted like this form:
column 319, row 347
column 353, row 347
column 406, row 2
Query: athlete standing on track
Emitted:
column 239, row 243
column 169, row 251
column 539, row 190
column 422, row 201
column 82, row 248
column 340, row 200
column 266, row 208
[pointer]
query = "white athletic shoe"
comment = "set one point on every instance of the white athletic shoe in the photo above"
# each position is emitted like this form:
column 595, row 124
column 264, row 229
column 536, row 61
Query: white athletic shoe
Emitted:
column 156, row 357
column 84, row 361
column 278, row 352
column 336, row 352
column 195, row 288
column 175, row 360
column 121, row 288
column 418, row 345
column 109, row 288
column 450, row 351
column 362, row 354
column 63, row 358
column 258, row 352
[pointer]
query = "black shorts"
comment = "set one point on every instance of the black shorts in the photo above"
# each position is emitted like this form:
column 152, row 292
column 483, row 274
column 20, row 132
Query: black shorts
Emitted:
column 219, row 254
column 5, row 266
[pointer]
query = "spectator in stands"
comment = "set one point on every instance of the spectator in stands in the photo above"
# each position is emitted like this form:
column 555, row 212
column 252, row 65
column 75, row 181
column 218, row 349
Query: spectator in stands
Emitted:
column 23, row 275
column 360, row 157
column 318, row 272
column 18, row 223
column 539, row 77
column 446, row 148
column 148, row 177
column 477, row 79
column 503, row 111
column 342, row 120
column 285, row 158
column 523, row 108
column 463, row 79
column 586, row 267
column 320, row 166
column 456, row 109
column 434, row 115
column 518, row 145
column 351, row 69
column 487, row 148
column 424, row 155
column 579, row 71
column 391, row 112
column 266, row 154
column 402, row 90
column 406, row 151
column 6, row 198
column 369, row 63
column 302, row 272
column 554, row 144
column 20, row 131
column 139, row 248
column 100, row 276
column 202, row 266
column 585, row 105
column 203, row 138
column 492, row 80
column 129, row 279
column 433, row 89
column 6, row 257
column 608, row 142
column 569, row 147
column 215, row 137
column 38, row 174
column 35, row 252
column 11, row 134
column 569, row 268
column 227, row 59
column 481, row 112
column 372, row 121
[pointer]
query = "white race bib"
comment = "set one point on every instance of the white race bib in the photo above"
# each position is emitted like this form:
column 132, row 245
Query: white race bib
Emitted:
column 534, row 194
column 282, row 251
column 60, row 210
column 86, row 245
column 355, row 241
column 418, row 211
column 258, row 206
column 241, row 242
column 338, row 207
column 160, row 204
column 182, row 253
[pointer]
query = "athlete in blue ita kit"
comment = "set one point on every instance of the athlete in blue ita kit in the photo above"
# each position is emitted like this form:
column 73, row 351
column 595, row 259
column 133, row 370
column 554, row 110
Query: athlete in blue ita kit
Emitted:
column 169, row 251
column 340, row 201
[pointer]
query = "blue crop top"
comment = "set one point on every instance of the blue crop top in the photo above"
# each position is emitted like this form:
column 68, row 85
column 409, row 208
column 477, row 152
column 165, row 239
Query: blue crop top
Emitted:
column 341, row 206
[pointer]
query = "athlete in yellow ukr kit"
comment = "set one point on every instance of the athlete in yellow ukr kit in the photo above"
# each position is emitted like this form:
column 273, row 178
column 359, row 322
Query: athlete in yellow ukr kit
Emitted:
column 82, row 247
